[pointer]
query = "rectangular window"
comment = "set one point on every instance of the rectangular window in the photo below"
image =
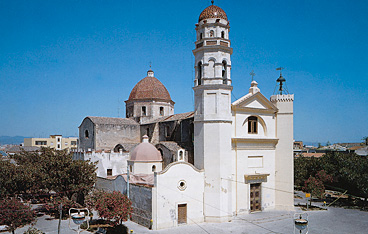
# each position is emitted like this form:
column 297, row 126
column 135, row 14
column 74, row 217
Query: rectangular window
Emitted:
column 167, row 131
column 252, row 124
column 144, row 111
column 41, row 142
column 161, row 111
column 73, row 143
column 109, row 172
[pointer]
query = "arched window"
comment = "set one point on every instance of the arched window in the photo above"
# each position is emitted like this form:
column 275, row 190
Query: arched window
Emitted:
column 222, row 34
column 86, row 134
column 224, row 72
column 181, row 155
column 161, row 110
column 252, row 125
column 153, row 168
column 199, row 73
column 212, row 33
column 118, row 148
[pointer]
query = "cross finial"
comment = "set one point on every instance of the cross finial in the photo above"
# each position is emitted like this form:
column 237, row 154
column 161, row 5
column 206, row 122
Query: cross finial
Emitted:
column 212, row 2
column 150, row 64
column 252, row 74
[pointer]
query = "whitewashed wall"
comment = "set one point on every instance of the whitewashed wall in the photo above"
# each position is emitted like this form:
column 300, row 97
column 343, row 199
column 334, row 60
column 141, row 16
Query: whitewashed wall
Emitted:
column 167, row 194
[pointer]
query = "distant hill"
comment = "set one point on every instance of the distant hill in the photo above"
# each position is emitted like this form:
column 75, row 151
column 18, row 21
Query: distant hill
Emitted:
column 8, row 140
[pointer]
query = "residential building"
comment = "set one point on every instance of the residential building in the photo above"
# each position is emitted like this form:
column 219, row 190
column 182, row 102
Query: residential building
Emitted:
column 57, row 142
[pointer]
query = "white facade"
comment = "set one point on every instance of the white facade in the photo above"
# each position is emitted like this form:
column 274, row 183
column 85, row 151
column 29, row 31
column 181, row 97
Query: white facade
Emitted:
column 109, row 163
column 180, row 184
column 243, row 151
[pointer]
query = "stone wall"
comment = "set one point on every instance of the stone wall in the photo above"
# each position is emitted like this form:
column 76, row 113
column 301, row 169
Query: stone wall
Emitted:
column 86, row 143
column 117, row 184
column 109, row 135
column 141, row 197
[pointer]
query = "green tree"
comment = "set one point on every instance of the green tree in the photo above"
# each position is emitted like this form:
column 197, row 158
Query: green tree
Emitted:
column 14, row 214
column 365, row 139
column 56, row 170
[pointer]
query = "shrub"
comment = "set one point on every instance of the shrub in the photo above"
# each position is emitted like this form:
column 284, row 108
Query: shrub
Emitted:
column 33, row 230
column 52, row 207
column 14, row 214
column 113, row 206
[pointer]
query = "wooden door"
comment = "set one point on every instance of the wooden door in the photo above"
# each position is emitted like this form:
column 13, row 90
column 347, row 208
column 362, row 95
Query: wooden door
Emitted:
column 182, row 213
column 255, row 197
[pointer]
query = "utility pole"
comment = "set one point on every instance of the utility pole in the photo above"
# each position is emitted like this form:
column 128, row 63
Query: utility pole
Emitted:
column 61, row 213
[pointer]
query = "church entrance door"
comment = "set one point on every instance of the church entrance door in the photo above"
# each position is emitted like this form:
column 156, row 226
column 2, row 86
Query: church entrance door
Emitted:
column 182, row 213
column 255, row 197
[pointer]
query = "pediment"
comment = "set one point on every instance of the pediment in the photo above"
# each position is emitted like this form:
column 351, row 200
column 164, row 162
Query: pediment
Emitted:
column 254, row 101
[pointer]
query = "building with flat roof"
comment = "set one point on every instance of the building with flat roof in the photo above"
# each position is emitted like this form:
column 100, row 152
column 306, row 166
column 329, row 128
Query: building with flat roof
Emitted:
column 57, row 142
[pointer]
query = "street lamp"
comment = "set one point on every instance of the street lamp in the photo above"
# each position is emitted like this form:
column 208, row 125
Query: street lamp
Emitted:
column 78, row 215
column 301, row 223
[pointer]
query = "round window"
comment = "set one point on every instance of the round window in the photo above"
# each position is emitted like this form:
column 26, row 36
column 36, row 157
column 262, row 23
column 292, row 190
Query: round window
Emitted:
column 182, row 185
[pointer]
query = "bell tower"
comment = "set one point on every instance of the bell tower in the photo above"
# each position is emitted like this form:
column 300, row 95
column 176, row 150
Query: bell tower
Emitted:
column 212, row 117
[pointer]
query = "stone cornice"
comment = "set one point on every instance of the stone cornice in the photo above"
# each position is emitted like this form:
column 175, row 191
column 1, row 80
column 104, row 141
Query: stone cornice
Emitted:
column 176, row 163
column 255, row 140
column 252, row 110
column 212, row 121
column 214, row 48
column 213, row 87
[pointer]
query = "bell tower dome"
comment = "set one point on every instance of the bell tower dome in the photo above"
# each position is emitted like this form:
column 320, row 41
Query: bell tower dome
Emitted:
column 212, row 114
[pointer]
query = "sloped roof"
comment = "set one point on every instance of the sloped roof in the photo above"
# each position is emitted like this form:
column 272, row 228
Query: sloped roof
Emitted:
column 181, row 116
column 246, row 99
column 109, row 120
column 17, row 148
column 171, row 145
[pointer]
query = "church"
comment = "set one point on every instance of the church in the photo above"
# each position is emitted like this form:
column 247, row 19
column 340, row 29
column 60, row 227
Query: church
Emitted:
column 220, row 160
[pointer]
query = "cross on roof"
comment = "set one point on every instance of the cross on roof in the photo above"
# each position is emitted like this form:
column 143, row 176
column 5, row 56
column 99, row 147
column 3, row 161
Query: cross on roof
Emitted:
column 252, row 74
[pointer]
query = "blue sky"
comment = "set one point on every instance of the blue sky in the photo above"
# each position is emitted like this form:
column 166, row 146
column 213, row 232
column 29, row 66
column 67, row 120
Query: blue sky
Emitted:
column 61, row 61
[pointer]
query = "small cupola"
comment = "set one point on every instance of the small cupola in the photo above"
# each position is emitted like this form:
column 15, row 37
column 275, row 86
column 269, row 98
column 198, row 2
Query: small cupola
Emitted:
column 253, row 87
column 150, row 73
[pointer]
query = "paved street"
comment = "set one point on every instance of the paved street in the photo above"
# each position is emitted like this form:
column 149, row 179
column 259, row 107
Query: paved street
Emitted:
column 333, row 220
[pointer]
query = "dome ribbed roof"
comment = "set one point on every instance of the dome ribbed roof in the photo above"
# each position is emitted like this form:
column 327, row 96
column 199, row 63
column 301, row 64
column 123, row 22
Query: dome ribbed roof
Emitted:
column 149, row 88
column 212, row 12
column 145, row 152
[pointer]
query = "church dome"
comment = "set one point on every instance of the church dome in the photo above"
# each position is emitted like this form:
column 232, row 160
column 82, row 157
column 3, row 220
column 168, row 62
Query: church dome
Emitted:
column 145, row 152
column 212, row 12
column 149, row 88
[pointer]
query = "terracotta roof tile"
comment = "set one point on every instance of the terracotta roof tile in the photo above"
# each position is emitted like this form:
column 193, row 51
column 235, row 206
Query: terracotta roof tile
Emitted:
column 212, row 12
column 108, row 120
column 149, row 88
